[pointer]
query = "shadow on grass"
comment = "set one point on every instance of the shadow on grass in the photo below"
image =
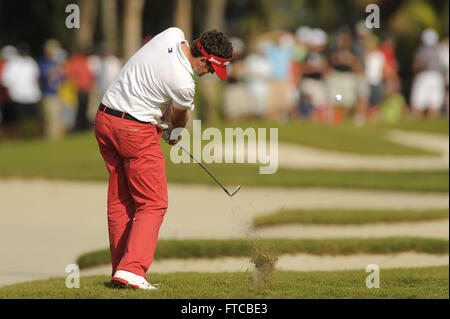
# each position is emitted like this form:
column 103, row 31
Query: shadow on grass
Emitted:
column 109, row 285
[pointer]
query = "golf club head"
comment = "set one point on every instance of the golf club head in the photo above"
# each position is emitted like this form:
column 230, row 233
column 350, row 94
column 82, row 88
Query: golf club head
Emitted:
column 235, row 190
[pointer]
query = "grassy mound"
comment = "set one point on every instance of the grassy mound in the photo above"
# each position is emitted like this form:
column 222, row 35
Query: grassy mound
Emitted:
column 246, row 248
column 347, row 217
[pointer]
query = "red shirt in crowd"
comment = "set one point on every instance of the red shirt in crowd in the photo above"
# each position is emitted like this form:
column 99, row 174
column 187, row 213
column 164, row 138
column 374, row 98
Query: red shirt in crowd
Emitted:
column 389, row 55
column 77, row 71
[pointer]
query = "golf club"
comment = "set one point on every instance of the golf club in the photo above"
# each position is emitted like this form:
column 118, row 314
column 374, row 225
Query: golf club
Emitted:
column 210, row 174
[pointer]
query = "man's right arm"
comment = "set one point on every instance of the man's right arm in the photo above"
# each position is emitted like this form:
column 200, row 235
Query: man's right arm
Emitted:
column 177, row 119
column 176, row 114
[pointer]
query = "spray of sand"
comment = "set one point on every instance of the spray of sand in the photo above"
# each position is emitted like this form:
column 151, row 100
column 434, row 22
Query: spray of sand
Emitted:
column 264, row 260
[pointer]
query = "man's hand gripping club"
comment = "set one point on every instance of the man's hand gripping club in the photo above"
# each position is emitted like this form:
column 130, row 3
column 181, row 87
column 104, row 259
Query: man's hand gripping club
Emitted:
column 173, row 118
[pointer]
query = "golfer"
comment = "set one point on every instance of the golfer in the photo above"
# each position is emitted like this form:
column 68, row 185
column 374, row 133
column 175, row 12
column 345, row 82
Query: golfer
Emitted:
column 156, row 84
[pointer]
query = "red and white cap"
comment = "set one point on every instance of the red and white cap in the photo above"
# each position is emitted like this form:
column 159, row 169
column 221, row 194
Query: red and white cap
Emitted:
column 219, row 64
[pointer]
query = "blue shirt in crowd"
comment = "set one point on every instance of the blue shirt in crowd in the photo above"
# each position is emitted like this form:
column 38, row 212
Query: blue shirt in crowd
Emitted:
column 51, row 76
column 280, row 59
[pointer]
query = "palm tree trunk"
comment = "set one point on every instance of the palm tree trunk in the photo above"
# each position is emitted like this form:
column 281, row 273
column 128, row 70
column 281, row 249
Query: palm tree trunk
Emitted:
column 132, row 28
column 215, row 15
column 84, row 36
column 212, row 88
column 183, row 17
column 109, row 24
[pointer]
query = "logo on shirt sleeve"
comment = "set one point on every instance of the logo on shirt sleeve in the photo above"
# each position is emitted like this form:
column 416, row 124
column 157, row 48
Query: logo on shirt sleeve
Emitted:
column 169, row 50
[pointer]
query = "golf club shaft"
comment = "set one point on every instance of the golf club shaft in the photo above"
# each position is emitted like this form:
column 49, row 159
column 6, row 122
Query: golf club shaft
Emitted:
column 206, row 170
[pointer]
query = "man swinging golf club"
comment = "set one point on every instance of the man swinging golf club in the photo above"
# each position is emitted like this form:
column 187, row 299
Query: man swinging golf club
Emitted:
column 155, row 84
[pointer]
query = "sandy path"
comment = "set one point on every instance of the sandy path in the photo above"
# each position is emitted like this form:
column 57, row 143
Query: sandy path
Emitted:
column 47, row 224
column 430, row 229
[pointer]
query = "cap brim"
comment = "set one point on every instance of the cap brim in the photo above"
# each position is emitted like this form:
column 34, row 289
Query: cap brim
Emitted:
column 221, row 71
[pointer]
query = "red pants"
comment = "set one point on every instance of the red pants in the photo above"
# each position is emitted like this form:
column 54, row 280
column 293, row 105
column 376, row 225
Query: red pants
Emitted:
column 137, row 192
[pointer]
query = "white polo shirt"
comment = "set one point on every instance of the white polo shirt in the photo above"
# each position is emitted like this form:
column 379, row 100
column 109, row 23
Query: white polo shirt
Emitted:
column 156, row 76
column 21, row 78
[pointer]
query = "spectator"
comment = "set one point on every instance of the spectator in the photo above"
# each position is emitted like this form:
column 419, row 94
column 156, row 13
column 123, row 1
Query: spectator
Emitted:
column 258, row 70
column 428, row 91
column 51, row 79
column 20, row 77
column 393, row 107
column 280, row 56
column 314, row 96
column 299, row 54
column 374, row 66
column 359, row 47
column 387, row 47
column 106, row 69
column 78, row 72
column 6, row 54
column 68, row 95
column 342, row 79
column 237, row 104
column 236, row 68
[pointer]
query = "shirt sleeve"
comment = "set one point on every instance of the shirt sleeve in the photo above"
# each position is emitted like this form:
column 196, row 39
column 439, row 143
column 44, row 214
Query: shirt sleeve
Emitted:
column 183, row 98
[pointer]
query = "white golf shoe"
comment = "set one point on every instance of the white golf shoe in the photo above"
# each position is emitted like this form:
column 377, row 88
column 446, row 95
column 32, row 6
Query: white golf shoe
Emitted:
column 124, row 278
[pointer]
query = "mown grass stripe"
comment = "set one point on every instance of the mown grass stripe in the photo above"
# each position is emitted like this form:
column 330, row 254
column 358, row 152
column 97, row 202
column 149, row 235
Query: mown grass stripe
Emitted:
column 346, row 137
column 77, row 158
column 245, row 248
column 424, row 282
column 347, row 217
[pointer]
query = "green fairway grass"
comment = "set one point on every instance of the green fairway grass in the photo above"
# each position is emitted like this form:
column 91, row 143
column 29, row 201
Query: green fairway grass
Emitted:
column 248, row 175
column 435, row 126
column 245, row 248
column 414, row 283
column 347, row 217
column 346, row 137
column 77, row 158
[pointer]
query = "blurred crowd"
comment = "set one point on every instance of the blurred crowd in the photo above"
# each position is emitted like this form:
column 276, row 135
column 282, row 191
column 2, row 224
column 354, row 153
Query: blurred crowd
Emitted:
column 351, row 73
column 54, row 94
column 310, row 74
